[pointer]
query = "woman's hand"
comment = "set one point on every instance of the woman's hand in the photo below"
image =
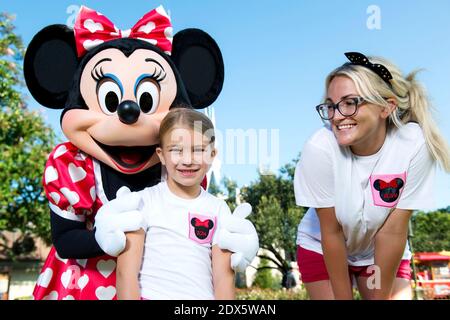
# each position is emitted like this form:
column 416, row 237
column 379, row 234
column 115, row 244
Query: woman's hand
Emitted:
column 335, row 253
column 390, row 243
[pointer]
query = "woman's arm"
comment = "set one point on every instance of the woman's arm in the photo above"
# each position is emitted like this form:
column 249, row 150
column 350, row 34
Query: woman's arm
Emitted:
column 335, row 253
column 390, row 242
column 128, row 267
column 223, row 275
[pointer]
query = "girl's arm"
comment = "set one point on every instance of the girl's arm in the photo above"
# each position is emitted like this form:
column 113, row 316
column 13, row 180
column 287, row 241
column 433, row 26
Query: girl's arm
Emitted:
column 223, row 275
column 390, row 243
column 335, row 253
column 129, row 265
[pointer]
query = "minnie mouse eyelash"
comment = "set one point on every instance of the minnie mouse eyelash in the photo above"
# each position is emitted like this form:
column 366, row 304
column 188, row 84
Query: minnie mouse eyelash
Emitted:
column 158, row 75
column 97, row 74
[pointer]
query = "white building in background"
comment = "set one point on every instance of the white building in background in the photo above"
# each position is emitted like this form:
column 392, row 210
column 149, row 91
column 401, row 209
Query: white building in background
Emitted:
column 18, row 277
column 215, row 172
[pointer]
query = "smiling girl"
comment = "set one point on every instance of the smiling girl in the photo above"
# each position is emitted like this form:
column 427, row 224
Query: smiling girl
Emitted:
column 176, row 257
column 362, row 176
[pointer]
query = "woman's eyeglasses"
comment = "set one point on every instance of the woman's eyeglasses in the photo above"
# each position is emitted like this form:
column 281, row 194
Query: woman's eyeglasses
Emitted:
column 347, row 107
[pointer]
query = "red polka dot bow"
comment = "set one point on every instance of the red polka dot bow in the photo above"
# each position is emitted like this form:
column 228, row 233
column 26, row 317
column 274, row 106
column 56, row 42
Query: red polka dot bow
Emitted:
column 390, row 184
column 200, row 223
column 92, row 28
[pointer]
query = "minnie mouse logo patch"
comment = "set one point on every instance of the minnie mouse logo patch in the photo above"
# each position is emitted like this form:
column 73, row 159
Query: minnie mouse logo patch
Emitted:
column 386, row 189
column 201, row 228
column 389, row 191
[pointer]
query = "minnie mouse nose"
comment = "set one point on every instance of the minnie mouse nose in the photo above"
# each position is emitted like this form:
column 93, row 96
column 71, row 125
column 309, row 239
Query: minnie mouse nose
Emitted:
column 128, row 111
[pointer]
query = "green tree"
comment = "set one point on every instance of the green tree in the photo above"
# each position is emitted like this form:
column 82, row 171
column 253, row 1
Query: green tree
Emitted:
column 25, row 142
column 213, row 187
column 264, row 278
column 431, row 231
column 276, row 216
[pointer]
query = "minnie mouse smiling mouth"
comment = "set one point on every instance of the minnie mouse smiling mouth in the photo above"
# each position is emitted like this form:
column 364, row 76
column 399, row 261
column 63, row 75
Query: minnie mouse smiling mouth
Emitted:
column 128, row 158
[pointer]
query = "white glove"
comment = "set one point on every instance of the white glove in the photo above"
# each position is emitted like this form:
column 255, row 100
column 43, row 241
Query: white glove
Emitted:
column 239, row 235
column 115, row 218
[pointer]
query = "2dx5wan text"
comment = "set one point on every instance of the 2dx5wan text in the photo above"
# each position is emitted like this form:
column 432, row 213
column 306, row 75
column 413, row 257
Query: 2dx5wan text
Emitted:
column 226, row 309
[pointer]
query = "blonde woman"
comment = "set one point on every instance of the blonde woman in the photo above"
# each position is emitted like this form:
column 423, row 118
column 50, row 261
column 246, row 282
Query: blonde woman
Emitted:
column 362, row 176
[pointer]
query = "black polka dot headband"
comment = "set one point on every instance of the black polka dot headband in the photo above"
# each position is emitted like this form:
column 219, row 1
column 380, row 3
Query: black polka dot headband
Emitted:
column 359, row 59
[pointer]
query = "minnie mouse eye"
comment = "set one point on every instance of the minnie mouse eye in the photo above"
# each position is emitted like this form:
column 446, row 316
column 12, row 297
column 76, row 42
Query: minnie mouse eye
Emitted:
column 109, row 96
column 147, row 96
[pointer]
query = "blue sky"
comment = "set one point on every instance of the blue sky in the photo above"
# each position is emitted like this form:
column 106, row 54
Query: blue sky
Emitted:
column 277, row 54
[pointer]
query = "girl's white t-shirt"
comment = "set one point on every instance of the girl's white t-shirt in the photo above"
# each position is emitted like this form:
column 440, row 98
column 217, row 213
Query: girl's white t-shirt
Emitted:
column 179, row 236
column 362, row 189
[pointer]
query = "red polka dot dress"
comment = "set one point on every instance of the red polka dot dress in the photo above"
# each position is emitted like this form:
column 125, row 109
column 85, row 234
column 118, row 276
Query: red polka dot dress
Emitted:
column 70, row 186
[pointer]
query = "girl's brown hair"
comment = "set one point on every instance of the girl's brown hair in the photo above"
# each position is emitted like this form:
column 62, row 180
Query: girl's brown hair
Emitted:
column 187, row 118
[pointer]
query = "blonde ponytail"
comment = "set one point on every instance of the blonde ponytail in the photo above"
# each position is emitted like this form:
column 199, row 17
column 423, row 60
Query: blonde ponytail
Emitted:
column 420, row 111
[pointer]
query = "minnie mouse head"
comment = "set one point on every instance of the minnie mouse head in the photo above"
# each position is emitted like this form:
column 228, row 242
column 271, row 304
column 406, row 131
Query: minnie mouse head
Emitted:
column 202, row 228
column 389, row 191
column 116, row 86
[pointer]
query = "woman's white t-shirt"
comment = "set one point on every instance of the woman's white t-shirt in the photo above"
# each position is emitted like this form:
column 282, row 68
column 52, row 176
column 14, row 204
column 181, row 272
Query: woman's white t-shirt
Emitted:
column 179, row 236
column 362, row 189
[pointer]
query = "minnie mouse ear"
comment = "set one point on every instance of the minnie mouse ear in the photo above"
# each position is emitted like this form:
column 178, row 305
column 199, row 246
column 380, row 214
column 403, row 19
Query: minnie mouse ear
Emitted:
column 200, row 64
column 400, row 183
column 376, row 185
column 50, row 64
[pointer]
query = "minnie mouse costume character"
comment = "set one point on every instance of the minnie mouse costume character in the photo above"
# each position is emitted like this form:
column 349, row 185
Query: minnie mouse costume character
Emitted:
column 115, row 88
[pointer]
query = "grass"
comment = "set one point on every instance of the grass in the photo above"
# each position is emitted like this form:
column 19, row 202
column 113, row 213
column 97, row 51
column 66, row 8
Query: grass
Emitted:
column 255, row 293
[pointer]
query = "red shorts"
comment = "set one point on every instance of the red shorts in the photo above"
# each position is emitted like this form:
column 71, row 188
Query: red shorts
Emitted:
column 312, row 267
